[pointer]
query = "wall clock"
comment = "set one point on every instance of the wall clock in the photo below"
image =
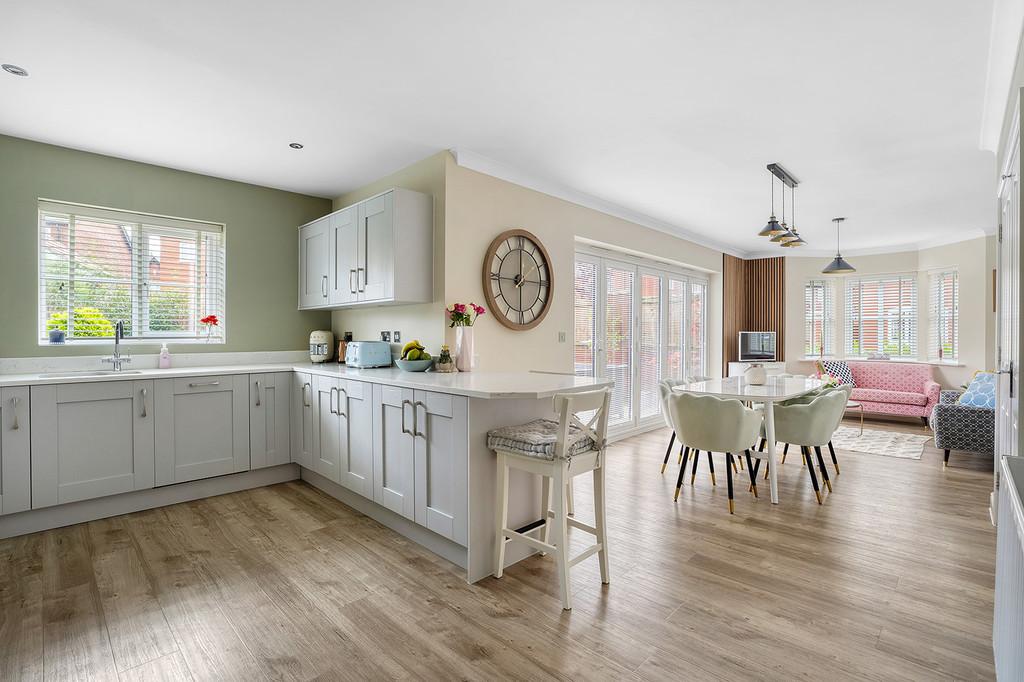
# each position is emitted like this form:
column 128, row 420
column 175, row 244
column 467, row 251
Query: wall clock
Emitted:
column 518, row 279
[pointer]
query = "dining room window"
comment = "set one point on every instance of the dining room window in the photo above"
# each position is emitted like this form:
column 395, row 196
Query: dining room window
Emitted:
column 943, row 315
column 881, row 316
column 819, row 318
column 637, row 323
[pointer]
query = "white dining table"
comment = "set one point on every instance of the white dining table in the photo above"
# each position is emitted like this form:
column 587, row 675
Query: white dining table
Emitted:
column 774, row 390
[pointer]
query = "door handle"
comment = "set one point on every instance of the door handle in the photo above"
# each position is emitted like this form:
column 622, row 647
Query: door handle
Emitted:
column 416, row 419
column 204, row 383
column 14, row 412
column 305, row 400
column 257, row 393
column 143, row 393
column 351, row 286
column 405, row 430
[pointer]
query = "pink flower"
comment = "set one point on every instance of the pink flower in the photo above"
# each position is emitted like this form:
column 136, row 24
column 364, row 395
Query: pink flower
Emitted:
column 478, row 309
column 460, row 308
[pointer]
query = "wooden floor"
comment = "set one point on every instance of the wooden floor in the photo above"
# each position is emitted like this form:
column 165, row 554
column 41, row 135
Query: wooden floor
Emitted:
column 890, row 579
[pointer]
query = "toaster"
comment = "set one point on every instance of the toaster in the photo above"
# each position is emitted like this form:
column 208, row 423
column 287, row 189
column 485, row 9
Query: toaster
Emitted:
column 368, row 354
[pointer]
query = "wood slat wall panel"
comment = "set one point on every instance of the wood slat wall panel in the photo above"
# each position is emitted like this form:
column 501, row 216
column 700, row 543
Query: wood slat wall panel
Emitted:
column 753, row 298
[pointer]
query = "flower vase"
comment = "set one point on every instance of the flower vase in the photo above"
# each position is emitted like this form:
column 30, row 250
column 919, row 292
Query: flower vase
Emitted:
column 464, row 348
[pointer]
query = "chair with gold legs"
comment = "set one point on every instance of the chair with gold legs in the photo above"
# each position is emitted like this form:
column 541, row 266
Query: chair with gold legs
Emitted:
column 811, row 425
column 714, row 424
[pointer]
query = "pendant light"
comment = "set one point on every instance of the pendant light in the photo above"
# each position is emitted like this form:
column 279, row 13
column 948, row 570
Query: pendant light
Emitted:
column 784, row 235
column 772, row 228
column 797, row 240
column 838, row 266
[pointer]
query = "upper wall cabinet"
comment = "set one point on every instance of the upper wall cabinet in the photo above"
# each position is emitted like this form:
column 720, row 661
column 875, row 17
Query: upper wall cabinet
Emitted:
column 376, row 252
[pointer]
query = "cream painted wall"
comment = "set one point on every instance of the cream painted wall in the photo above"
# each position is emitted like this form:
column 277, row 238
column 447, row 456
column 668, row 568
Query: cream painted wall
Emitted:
column 479, row 207
column 423, row 321
column 973, row 260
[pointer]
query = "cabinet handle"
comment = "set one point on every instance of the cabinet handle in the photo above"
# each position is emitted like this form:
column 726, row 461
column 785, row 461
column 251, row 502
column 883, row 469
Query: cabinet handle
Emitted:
column 330, row 400
column 416, row 419
column 323, row 286
column 14, row 412
column 257, row 394
column 366, row 251
column 360, row 288
column 351, row 286
column 204, row 383
column 340, row 413
column 305, row 400
column 405, row 430
column 143, row 393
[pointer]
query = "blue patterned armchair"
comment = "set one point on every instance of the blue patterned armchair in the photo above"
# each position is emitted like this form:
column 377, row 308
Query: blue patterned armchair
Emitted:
column 962, row 427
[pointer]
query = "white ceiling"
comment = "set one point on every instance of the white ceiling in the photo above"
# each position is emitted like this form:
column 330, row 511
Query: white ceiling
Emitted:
column 669, row 109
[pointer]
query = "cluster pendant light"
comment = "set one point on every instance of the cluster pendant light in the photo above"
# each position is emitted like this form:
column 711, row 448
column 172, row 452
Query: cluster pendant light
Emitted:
column 838, row 266
column 778, row 232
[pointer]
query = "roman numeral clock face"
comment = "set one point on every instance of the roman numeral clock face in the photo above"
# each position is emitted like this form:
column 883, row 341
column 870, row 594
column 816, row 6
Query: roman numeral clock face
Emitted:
column 518, row 279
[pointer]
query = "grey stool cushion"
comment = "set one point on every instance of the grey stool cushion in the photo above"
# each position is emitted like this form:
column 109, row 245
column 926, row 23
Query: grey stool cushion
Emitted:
column 537, row 439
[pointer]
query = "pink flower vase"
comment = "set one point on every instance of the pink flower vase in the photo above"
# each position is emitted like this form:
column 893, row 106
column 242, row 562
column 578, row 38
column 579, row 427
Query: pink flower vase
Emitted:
column 464, row 348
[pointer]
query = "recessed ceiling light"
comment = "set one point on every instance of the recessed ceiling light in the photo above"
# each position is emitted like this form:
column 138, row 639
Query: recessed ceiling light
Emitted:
column 14, row 70
column 293, row 145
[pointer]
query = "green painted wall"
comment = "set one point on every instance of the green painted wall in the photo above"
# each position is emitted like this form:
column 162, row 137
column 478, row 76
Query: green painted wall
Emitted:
column 262, row 246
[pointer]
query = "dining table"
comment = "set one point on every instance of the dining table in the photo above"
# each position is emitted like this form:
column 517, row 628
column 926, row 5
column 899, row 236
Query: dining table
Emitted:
column 775, row 389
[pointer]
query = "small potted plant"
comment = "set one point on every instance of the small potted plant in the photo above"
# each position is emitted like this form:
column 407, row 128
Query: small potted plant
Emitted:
column 444, row 361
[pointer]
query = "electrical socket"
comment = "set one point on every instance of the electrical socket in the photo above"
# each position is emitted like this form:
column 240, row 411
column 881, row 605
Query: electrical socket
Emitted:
column 396, row 336
column 385, row 336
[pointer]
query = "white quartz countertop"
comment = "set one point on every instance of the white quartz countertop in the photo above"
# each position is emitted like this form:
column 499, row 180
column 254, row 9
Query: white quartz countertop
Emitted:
column 471, row 384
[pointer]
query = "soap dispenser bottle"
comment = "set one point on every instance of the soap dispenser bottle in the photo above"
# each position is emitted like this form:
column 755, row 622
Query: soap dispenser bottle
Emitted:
column 165, row 357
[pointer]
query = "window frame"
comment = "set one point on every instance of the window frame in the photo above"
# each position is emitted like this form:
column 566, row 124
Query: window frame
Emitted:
column 848, row 318
column 828, row 319
column 143, row 226
column 935, row 320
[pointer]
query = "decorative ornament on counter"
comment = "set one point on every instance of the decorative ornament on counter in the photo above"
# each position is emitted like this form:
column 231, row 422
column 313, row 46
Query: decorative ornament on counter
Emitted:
column 444, row 363
column 462, row 317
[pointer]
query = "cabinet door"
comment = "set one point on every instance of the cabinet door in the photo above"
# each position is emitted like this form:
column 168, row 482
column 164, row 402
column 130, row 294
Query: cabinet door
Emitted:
column 91, row 440
column 393, row 449
column 202, row 427
column 15, row 464
column 314, row 270
column 344, row 266
column 302, row 420
column 442, row 464
column 326, row 455
column 357, row 437
column 268, row 419
column 376, row 248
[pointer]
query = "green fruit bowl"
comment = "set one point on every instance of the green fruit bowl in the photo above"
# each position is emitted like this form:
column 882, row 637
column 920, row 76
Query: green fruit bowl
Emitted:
column 414, row 365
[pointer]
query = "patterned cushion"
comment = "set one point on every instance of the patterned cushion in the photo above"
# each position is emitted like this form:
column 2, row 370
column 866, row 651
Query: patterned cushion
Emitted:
column 877, row 395
column 839, row 370
column 537, row 439
column 981, row 392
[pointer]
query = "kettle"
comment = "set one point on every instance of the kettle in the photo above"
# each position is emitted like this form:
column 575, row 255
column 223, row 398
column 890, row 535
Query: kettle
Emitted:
column 321, row 345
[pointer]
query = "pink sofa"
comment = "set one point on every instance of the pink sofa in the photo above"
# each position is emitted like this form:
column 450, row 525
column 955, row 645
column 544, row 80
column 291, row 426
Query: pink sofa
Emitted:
column 900, row 388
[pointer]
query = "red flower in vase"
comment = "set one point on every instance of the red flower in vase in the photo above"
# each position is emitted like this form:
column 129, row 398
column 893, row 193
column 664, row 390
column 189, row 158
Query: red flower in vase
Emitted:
column 210, row 320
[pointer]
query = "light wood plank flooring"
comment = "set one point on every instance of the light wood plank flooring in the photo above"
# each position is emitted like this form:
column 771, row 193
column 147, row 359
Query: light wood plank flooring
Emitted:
column 890, row 579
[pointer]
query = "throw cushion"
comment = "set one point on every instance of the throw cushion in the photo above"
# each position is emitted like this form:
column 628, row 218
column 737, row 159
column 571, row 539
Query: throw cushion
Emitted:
column 537, row 439
column 981, row 392
column 838, row 370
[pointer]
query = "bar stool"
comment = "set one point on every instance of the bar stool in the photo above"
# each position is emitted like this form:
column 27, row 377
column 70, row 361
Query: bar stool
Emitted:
column 558, row 451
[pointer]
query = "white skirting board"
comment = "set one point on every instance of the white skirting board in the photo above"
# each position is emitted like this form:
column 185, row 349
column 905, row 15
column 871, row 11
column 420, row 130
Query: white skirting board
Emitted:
column 441, row 546
column 57, row 516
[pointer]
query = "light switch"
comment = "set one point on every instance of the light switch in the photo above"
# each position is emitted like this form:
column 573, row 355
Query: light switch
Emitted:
column 561, row 337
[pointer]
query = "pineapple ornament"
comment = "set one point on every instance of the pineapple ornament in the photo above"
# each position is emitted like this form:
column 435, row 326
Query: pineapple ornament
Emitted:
column 444, row 362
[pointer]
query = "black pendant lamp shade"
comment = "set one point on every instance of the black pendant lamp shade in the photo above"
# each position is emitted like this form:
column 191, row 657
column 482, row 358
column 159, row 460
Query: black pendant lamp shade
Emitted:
column 793, row 238
column 838, row 266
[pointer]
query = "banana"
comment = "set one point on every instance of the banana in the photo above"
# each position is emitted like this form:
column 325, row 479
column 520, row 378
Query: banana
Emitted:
column 414, row 344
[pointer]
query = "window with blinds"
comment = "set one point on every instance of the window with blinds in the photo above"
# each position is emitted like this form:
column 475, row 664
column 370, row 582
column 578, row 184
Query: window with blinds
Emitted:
column 943, row 315
column 819, row 318
column 881, row 316
column 585, row 306
column 160, row 276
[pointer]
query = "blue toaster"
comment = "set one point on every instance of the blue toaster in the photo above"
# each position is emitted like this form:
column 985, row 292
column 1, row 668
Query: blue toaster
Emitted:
column 368, row 354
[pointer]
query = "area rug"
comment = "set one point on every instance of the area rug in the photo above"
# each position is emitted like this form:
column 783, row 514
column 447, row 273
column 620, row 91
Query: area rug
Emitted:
column 884, row 443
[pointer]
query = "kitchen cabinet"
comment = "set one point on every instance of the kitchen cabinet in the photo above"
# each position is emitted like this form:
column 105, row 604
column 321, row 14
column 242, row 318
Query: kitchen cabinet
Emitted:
column 202, row 427
column 393, row 450
column 355, row 399
column 15, row 464
column 376, row 252
column 314, row 264
column 91, row 439
column 302, row 419
column 326, row 454
column 269, row 416
column 441, row 438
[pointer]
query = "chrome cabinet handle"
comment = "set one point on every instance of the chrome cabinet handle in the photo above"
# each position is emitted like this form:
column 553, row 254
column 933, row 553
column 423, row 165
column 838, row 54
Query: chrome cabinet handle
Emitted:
column 143, row 393
column 360, row 288
column 257, row 394
column 416, row 419
column 351, row 286
column 14, row 412
column 340, row 413
column 323, row 286
column 305, row 400
column 405, row 430
column 204, row 383
column 330, row 400
column 366, row 251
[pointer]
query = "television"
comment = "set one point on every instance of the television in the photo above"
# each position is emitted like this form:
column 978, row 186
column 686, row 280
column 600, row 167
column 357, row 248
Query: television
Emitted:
column 757, row 346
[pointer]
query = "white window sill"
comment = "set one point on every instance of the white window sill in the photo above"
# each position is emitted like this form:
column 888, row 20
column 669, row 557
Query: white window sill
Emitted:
column 134, row 342
column 912, row 361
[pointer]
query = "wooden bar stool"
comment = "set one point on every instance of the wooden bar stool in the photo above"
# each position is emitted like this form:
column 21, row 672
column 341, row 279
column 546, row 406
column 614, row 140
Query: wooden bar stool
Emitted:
column 558, row 451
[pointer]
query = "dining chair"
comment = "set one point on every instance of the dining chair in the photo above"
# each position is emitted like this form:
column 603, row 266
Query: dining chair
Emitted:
column 811, row 425
column 715, row 424
column 557, row 451
column 665, row 390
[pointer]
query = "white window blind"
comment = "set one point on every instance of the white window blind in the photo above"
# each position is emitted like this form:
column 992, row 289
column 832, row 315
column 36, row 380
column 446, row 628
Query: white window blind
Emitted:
column 819, row 318
column 697, row 362
column 618, row 341
column 156, row 274
column 881, row 316
column 650, row 344
column 585, row 306
column 943, row 315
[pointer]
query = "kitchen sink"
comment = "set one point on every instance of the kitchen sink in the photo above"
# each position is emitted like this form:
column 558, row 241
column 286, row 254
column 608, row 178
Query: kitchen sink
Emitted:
column 87, row 373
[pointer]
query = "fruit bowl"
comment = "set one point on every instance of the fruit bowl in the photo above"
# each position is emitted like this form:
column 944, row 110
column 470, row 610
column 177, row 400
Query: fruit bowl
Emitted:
column 414, row 365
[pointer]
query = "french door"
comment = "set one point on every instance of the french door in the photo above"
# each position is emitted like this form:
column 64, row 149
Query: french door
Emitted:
column 637, row 323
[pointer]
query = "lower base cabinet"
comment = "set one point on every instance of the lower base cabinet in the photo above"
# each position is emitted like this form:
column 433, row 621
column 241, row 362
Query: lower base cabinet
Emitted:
column 202, row 427
column 342, row 430
column 269, row 419
column 15, row 452
column 91, row 440
column 302, row 420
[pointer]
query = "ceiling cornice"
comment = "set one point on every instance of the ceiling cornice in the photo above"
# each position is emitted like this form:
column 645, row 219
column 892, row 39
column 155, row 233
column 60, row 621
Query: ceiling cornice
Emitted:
column 1004, row 43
